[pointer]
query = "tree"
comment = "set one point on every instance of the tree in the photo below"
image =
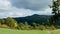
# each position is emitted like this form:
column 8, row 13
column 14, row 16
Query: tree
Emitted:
column 55, row 12
column 35, row 26
column 27, row 26
column 24, row 26
column 59, row 1
column 42, row 27
column 11, row 22
column 21, row 26
column 2, row 21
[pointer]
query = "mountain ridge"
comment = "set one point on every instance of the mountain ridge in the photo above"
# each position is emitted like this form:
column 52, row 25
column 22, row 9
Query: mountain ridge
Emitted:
column 34, row 18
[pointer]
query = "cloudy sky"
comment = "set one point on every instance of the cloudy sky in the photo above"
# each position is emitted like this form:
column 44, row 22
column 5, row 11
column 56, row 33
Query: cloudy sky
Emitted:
column 22, row 8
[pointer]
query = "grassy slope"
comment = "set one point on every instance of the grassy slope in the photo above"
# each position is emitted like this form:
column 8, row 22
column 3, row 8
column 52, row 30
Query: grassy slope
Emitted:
column 9, row 31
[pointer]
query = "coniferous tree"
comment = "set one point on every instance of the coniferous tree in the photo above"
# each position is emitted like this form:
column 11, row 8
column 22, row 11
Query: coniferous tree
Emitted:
column 55, row 12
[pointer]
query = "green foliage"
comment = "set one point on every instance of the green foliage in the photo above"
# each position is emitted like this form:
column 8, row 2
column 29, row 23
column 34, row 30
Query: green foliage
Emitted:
column 34, row 25
column 55, row 11
column 42, row 27
column 21, row 26
column 59, row 2
column 38, row 26
column 2, row 21
column 26, row 26
column 52, row 27
column 11, row 22
column 55, row 7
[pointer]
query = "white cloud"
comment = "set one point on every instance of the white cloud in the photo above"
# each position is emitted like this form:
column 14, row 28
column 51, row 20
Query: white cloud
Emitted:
column 10, row 11
column 4, row 4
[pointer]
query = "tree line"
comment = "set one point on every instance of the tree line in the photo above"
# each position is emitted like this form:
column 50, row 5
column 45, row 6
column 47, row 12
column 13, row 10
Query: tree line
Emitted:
column 13, row 24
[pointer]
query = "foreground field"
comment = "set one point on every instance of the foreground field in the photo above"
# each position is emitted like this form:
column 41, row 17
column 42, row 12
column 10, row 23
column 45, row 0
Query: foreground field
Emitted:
column 11, row 31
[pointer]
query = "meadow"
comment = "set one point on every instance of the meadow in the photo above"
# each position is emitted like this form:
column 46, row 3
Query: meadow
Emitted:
column 14, row 31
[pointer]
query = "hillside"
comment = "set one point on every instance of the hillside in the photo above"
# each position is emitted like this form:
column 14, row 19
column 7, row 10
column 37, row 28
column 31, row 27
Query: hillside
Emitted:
column 34, row 18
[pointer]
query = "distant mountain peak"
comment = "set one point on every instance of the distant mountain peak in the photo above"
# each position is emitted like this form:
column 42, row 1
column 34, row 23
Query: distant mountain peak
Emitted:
column 35, row 15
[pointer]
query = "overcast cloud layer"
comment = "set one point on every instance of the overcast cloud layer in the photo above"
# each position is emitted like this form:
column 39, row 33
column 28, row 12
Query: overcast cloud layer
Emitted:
column 22, row 8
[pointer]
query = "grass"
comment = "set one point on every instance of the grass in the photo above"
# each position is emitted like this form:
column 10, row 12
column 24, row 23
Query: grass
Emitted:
column 55, row 31
column 11, row 31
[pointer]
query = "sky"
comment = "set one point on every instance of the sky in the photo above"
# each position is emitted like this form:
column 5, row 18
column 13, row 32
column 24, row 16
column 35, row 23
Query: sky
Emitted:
column 22, row 8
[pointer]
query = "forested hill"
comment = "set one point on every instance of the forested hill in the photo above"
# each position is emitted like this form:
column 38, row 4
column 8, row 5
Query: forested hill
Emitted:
column 34, row 18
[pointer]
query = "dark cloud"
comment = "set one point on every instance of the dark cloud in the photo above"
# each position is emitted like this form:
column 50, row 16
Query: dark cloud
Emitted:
column 30, row 4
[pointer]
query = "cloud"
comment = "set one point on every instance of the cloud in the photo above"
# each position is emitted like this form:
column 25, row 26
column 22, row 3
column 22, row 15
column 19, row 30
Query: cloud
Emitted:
column 20, row 8
column 4, row 4
column 23, row 12
column 31, row 4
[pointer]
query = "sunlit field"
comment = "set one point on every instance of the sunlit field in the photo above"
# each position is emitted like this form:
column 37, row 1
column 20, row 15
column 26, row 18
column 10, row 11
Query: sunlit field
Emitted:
column 11, row 31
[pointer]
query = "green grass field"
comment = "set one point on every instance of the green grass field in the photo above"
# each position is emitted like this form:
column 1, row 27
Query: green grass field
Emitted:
column 11, row 31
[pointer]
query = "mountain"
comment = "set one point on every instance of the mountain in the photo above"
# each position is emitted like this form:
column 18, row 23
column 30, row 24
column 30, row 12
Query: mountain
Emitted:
column 34, row 18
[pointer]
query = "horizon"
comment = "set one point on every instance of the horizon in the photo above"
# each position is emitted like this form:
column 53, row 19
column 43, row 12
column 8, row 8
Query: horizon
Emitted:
column 26, row 16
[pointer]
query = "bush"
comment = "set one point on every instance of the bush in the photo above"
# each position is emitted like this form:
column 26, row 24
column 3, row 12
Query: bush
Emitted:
column 42, row 27
column 21, row 26
column 11, row 22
